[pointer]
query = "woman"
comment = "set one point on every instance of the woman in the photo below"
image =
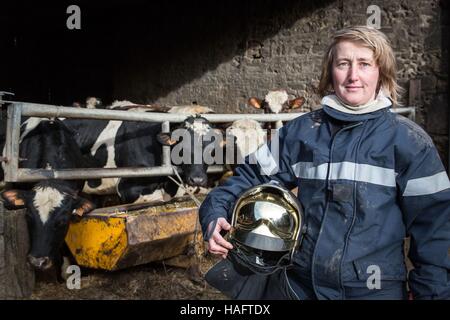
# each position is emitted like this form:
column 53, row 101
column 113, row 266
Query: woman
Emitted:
column 367, row 178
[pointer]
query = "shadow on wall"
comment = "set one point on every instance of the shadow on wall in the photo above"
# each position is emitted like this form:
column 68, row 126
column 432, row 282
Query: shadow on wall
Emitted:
column 140, row 50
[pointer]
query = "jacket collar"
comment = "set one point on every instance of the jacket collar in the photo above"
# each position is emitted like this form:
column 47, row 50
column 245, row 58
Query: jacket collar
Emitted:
column 348, row 117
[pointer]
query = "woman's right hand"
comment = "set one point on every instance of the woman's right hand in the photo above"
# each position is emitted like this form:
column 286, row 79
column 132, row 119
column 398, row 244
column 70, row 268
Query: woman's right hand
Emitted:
column 217, row 244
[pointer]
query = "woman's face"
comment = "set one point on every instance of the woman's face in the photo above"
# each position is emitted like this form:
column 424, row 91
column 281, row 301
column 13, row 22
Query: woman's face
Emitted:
column 354, row 73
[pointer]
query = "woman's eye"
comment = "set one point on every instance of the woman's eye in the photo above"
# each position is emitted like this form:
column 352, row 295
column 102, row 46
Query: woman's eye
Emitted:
column 342, row 65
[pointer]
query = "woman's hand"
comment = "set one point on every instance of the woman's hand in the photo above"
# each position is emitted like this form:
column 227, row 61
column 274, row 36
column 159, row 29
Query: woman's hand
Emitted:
column 217, row 244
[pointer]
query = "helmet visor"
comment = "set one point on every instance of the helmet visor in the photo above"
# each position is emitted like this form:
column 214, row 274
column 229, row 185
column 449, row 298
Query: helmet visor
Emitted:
column 279, row 219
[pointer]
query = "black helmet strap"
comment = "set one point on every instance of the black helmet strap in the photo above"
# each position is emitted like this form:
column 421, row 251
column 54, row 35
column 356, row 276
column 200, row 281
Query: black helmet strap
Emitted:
column 236, row 255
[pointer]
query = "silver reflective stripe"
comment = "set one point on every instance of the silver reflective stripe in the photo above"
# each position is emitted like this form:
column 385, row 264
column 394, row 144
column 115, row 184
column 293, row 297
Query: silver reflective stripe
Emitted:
column 306, row 170
column 427, row 185
column 346, row 171
column 376, row 175
column 265, row 160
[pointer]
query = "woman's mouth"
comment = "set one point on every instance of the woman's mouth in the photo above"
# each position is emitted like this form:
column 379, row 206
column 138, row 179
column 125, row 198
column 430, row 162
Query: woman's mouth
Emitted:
column 352, row 88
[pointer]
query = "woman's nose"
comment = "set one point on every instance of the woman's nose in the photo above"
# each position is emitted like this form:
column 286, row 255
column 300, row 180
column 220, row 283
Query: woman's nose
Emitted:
column 353, row 74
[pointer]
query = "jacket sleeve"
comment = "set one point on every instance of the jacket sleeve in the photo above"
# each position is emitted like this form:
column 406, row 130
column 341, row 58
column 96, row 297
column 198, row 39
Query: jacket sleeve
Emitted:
column 270, row 162
column 425, row 202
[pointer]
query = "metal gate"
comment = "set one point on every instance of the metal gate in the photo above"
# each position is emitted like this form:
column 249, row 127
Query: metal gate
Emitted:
column 18, row 109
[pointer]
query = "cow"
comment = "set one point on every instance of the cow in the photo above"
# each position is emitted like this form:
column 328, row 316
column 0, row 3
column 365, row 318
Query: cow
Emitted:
column 131, row 106
column 51, row 204
column 91, row 103
column 240, row 139
column 116, row 144
column 276, row 101
column 247, row 136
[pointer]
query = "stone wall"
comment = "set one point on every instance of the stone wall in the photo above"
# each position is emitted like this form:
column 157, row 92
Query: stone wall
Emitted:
column 214, row 53
column 223, row 55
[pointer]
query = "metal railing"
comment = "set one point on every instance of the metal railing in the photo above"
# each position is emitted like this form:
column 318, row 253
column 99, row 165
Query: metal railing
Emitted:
column 18, row 109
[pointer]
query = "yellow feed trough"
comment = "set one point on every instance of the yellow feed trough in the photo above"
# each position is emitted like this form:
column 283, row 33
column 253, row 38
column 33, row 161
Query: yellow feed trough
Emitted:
column 117, row 237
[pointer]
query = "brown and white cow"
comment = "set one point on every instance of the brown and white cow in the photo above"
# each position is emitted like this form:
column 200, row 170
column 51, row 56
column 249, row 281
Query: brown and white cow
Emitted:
column 276, row 101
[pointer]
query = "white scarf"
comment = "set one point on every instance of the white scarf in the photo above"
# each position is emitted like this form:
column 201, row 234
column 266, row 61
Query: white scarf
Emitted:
column 380, row 102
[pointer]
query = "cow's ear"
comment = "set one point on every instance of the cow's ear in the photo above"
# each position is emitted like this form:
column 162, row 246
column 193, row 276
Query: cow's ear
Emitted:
column 165, row 139
column 82, row 206
column 296, row 103
column 255, row 103
column 14, row 199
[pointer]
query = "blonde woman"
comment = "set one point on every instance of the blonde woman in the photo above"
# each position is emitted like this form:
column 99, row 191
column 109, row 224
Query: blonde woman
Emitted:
column 367, row 178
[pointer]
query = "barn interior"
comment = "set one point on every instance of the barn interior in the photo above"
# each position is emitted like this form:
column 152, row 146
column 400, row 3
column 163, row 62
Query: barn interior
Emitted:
column 138, row 50
column 216, row 54
column 212, row 53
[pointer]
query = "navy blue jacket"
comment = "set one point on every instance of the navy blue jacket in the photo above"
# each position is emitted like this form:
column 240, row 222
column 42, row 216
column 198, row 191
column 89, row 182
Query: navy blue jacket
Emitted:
column 366, row 182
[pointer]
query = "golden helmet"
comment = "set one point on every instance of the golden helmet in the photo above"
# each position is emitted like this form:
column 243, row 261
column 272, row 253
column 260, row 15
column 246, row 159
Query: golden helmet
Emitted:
column 267, row 221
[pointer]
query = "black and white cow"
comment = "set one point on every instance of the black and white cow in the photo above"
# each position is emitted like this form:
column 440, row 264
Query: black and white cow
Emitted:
column 116, row 144
column 276, row 101
column 50, row 204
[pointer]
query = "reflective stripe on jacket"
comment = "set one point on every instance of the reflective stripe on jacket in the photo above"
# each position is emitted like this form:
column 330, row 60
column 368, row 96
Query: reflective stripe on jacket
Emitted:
column 365, row 182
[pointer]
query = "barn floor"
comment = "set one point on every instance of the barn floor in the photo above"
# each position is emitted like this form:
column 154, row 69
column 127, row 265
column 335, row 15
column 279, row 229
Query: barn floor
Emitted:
column 152, row 281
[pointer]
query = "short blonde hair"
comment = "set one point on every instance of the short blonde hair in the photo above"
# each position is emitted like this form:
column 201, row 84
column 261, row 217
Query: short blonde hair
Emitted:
column 383, row 54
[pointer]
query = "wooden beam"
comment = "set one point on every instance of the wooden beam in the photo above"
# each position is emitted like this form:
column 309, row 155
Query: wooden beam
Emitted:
column 16, row 275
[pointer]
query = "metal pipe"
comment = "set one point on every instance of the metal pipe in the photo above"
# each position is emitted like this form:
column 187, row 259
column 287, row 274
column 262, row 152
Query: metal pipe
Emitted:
column 13, row 174
column 30, row 175
column 410, row 112
column 46, row 111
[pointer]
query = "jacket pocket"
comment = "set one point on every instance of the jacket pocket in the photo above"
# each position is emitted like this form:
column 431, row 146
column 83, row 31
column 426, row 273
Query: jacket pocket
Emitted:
column 360, row 270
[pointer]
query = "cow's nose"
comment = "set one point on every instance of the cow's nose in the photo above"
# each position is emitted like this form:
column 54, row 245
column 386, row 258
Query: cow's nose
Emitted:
column 41, row 263
column 197, row 181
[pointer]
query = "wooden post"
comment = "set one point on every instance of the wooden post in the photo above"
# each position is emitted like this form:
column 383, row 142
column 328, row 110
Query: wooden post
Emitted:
column 13, row 137
column 16, row 275
column 414, row 96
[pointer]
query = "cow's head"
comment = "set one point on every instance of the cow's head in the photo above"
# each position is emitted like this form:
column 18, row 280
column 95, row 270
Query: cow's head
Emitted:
column 93, row 103
column 50, row 207
column 190, row 142
column 247, row 136
column 276, row 102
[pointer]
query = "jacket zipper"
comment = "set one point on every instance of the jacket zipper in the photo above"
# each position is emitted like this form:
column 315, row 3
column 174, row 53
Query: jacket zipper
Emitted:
column 353, row 218
column 327, row 199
